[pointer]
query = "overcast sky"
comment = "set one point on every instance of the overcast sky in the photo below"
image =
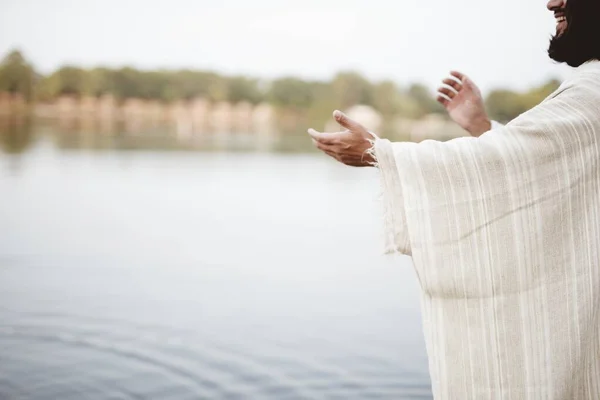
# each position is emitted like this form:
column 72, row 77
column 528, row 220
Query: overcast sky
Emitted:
column 497, row 43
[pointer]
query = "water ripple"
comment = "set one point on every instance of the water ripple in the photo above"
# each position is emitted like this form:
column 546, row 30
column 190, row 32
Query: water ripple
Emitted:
column 64, row 354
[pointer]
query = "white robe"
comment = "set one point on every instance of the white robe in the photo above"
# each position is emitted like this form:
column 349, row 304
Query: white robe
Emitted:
column 504, row 233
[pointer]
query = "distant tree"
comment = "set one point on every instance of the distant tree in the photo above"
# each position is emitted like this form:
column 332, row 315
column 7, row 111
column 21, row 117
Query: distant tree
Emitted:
column 152, row 84
column 291, row 92
column 187, row 84
column 243, row 89
column 546, row 89
column 17, row 75
column 127, row 83
column 67, row 80
column 424, row 100
column 505, row 105
column 387, row 98
column 321, row 105
column 351, row 88
column 16, row 134
column 535, row 96
column 310, row 100
column 100, row 81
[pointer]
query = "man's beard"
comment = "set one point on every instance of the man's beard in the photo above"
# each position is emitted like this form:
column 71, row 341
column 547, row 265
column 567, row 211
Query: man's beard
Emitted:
column 577, row 43
column 560, row 46
column 570, row 47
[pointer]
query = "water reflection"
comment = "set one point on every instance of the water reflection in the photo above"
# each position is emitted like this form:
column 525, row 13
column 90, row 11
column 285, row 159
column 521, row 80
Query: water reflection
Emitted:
column 188, row 275
column 16, row 133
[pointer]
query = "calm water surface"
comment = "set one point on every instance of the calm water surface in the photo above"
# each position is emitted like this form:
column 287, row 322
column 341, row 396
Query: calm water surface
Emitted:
column 200, row 275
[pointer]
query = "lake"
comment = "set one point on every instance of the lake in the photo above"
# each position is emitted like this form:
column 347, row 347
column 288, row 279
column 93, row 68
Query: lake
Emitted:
column 148, row 274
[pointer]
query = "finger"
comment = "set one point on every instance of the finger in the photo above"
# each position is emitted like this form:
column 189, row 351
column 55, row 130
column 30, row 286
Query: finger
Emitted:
column 326, row 138
column 322, row 146
column 450, row 93
column 443, row 99
column 331, row 154
column 453, row 83
column 346, row 122
column 373, row 136
column 325, row 149
column 458, row 75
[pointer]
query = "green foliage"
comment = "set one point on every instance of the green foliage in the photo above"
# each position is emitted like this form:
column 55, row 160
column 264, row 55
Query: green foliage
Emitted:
column 424, row 100
column 99, row 82
column 16, row 134
column 66, row 81
column 167, row 86
column 16, row 75
column 350, row 88
column 387, row 98
column 188, row 84
column 390, row 100
column 315, row 100
column 240, row 89
column 291, row 92
column 505, row 105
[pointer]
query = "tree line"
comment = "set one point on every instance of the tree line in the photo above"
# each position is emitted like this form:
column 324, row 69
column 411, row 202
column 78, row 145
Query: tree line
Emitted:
column 316, row 98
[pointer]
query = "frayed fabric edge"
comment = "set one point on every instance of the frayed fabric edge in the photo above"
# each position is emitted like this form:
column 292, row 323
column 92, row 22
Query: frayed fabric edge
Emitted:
column 390, row 197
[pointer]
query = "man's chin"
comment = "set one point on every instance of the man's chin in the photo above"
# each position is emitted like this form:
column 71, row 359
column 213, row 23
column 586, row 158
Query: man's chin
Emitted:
column 560, row 30
column 561, row 50
column 556, row 48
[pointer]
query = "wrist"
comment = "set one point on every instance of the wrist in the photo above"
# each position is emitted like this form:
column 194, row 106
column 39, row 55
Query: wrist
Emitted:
column 480, row 127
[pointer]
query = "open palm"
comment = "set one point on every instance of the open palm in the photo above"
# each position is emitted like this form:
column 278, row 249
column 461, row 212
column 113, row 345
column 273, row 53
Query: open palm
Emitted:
column 464, row 103
column 350, row 146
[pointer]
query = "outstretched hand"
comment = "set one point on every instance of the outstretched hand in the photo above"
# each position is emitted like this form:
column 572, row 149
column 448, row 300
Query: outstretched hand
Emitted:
column 349, row 146
column 464, row 103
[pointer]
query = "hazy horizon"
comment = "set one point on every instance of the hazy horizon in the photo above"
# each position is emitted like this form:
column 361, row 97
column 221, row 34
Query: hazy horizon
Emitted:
column 407, row 43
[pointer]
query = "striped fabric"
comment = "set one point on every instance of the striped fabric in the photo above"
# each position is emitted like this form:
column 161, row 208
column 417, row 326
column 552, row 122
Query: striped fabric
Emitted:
column 504, row 233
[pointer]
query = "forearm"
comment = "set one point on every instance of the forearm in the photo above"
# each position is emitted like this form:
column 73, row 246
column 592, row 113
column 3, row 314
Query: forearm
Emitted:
column 478, row 128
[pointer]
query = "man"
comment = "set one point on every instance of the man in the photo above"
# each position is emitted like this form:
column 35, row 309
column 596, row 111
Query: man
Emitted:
column 504, row 230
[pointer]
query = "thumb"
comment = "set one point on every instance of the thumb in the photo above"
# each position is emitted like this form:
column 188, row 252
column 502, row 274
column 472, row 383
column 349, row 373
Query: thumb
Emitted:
column 346, row 122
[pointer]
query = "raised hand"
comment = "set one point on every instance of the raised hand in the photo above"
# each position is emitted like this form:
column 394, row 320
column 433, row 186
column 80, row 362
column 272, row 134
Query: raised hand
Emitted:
column 464, row 103
column 349, row 146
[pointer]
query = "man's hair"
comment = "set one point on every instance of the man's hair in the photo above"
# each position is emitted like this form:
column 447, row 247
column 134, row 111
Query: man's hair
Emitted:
column 580, row 42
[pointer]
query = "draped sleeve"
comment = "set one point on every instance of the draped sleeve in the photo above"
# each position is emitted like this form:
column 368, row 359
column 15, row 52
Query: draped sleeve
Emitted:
column 436, row 194
column 504, row 234
column 496, row 125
